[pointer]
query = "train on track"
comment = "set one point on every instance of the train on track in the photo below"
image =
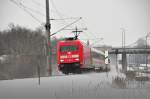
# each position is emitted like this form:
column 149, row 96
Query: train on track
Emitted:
column 73, row 56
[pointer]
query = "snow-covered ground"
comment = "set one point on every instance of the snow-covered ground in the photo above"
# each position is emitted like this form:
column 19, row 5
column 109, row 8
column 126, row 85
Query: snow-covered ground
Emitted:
column 111, row 85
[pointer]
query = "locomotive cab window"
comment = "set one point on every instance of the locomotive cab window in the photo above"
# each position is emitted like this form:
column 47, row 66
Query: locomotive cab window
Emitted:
column 68, row 48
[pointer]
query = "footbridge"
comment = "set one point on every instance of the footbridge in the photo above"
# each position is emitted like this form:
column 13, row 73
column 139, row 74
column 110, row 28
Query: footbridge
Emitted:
column 129, row 50
column 125, row 51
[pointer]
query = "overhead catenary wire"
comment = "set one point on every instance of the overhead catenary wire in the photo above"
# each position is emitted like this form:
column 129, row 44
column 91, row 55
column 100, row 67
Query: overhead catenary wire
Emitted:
column 31, row 11
column 66, row 26
column 43, row 7
column 20, row 5
column 88, row 34
column 83, row 25
column 64, row 19
column 35, row 11
column 57, row 11
column 27, row 9
column 61, row 16
column 38, row 4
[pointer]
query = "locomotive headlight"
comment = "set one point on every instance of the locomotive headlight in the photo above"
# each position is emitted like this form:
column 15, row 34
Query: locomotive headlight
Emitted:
column 77, row 59
column 61, row 60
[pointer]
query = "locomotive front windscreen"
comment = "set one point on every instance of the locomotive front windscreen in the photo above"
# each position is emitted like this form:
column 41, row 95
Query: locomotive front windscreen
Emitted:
column 68, row 48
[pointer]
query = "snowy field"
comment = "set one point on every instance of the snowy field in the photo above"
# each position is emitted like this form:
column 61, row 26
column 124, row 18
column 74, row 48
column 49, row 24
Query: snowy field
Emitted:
column 111, row 85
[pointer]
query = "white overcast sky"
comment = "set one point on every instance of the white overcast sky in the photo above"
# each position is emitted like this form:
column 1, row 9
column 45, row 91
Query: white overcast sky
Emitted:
column 103, row 18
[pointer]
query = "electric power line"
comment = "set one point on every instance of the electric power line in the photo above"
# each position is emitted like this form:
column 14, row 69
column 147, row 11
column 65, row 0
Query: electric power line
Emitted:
column 66, row 18
column 35, row 11
column 65, row 26
column 20, row 5
column 60, row 15
column 89, row 33
column 38, row 4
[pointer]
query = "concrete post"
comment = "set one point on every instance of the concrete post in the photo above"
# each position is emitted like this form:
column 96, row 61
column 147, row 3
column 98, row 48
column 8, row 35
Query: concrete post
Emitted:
column 124, row 61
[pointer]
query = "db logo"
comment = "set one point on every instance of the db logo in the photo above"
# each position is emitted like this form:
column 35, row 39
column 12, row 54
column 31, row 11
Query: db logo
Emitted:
column 68, row 52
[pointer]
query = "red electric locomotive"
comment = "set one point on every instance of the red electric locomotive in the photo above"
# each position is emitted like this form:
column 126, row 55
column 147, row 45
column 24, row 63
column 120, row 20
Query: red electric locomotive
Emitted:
column 74, row 56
